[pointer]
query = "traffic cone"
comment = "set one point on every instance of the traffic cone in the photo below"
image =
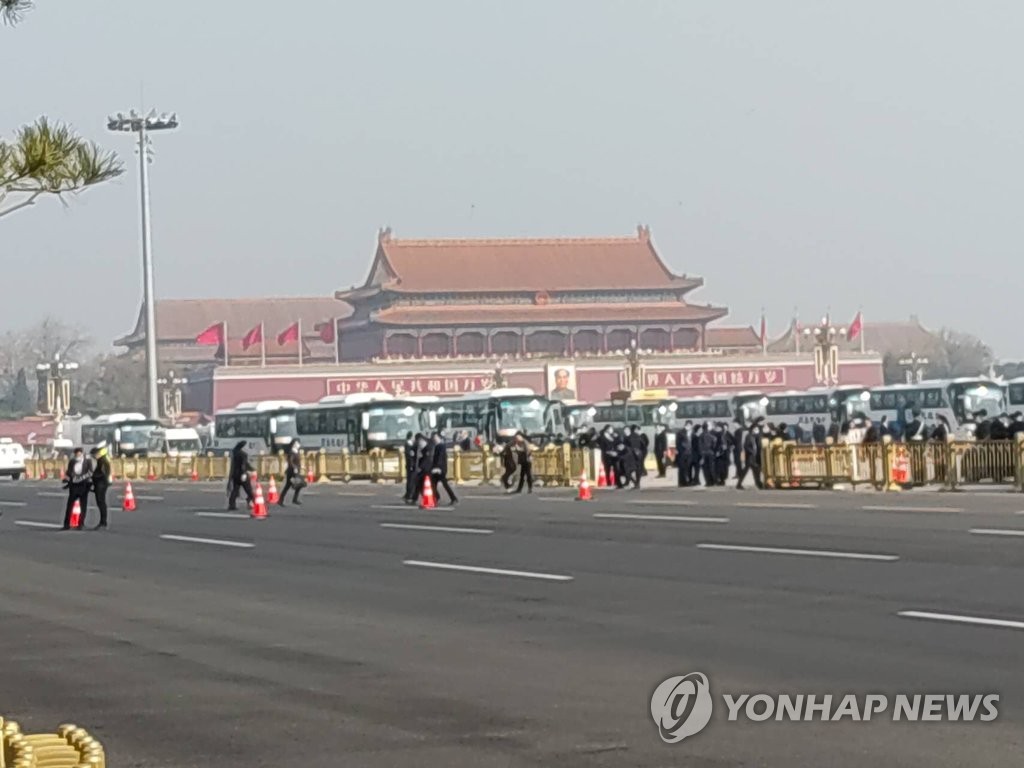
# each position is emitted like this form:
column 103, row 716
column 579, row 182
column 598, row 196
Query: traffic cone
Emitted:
column 427, row 502
column 584, row 493
column 310, row 477
column 259, row 506
column 76, row 515
column 611, row 477
column 272, row 497
column 129, row 499
column 42, row 471
column 195, row 474
column 151, row 475
column 601, row 482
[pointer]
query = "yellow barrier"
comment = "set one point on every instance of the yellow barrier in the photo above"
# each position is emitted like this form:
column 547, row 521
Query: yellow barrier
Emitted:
column 69, row 747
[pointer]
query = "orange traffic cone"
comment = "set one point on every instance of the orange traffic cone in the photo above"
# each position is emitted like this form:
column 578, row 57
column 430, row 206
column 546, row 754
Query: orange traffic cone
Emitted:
column 129, row 499
column 611, row 477
column 427, row 502
column 259, row 506
column 584, row 494
column 42, row 472
column 195, row 474
column 310, row 477
column 151, row 475
column 76, row 515
column 601, row 482
column 272, row 497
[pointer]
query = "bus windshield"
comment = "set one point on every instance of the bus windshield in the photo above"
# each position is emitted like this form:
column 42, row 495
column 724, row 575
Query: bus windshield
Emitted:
column 391, row 422
column 973, row 397
column 184, row 445
column 521, row 415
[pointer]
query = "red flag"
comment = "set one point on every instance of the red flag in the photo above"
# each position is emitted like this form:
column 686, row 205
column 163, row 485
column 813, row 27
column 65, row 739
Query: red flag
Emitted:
column 328, row 332
column 856, row 327
column 212, row 336
column 289, row 334
column 255, row 336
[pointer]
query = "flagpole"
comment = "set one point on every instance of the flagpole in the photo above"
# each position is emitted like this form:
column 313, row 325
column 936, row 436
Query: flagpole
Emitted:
column 263, row 346
column 300, row 342
column 764, row 334
column 224, row 328
column 860, row 315
column 337, row 341
column 796, row 329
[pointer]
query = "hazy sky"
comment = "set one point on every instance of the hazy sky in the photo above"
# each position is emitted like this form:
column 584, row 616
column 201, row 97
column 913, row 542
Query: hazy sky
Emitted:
column 792, row 153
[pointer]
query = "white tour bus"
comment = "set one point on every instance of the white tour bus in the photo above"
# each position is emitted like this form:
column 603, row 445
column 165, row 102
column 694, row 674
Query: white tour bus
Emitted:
column 955, row 399
column 495, row 416
column 745, row 406
column 807, row 415
column 847, row 401
column 362, row 421
column 267, row 426
column 1015, row 394
column 126, row 434
column 175, row 441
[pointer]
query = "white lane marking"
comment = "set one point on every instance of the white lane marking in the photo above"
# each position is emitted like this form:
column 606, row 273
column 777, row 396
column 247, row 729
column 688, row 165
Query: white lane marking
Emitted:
column 142, row 498
column 438, row 528
column 52, row 494
column 216, row 542
column 952, row 617
column 492, row 496
column 996, row 532
column 394, row 506
column 13, row 503
column 654, row 503
column 773, row 505
column 897, row 508
column 36, row 524
column 229, row 515
column 661, row 518
column 803, row 552
column 489, row 571
column 351, row 493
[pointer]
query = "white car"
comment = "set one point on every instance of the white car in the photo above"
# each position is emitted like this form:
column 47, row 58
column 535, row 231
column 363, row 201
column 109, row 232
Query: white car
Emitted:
column 12, row 458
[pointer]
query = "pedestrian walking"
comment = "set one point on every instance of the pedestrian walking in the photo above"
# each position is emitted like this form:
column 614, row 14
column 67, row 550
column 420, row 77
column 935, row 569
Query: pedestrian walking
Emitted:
column 524, row 457
column 661, row 448
column 293, row 479
column 684, row 455
column 509, row 464
column 751, row 457
column 609, row 455
column 411, row 453
column 100, row 483
column 77, row 478
column 707, row 456
column 239, row 476
column 439, row 470
column 424, row 464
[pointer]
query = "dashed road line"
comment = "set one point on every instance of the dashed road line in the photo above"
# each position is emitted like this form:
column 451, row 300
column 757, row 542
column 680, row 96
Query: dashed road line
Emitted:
column 661, row 518
column 486, row 571
column 772, row 505
column 36, row 524
column 226, row 515
column 957, row 619
column 656, row 503
column 214, row 542
column 437, row 528
column 996, row 532
column 13, row 503
column 899, row 508
column 828, row 553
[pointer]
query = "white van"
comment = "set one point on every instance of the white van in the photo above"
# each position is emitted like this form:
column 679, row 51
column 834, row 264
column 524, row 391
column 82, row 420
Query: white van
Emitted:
column 12, row 459
column 179, row 441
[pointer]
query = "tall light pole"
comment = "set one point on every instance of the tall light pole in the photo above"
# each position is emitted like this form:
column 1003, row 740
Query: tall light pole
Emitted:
column 58, row 390
column 142, row 125
column 914, row 368
column 826, row 350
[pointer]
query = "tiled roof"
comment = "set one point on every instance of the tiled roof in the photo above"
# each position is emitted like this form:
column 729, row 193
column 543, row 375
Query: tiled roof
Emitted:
column 722, row 337
column 556, row 264
column 899, row 337
column 546, row 313
column 182, row 320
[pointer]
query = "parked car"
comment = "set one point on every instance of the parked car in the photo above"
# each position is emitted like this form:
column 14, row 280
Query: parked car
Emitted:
column 12, row 459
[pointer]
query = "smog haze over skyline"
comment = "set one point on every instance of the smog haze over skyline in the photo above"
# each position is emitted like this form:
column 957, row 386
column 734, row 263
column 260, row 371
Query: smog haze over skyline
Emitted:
column 793, row 154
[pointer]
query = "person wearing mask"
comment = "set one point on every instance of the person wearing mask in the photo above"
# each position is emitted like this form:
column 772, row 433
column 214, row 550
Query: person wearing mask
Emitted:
column 239, row 476
column 661, row 448
column 293, row 479
column 424, row 463
column 77, row 478
column 439, row 469
column 524, row 457
column 637, row 443
column 410, row 453
column 609, row 455
column 707, row 455
column 684, row 456
column 100, row 483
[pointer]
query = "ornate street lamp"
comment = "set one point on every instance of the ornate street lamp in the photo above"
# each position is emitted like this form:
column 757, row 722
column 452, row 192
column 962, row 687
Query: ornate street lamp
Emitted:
column 58, row 389
column 914, row 367
column 170, row 387
column 825, row 338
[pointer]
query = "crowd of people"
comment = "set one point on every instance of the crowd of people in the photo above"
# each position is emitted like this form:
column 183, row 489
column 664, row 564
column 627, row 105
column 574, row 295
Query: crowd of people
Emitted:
column 426, row 457
column 85, row 475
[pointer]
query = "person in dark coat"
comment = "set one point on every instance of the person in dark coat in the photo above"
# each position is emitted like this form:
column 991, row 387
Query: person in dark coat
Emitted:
column 723, row 447
column 637, row 442
column 684, row 456
column 818, row 433
column 424, row 463
column 695, row 457
column 627, row 470
column 439, row 469
column 1016, row 425
column 509, row 464
column 941, row 432
column 100, row 483
column 239, row 476
column 524, row 457
column 983, row 425
column 645, row 448
column 738, row 434
column 609, row 456
column 411, row 454
column 661, row 448
column 293, row 479
column 834, row 430
column 1000, row 429
column 915, row 430
column 77, row 478
column 751, row 457
column 707, row 443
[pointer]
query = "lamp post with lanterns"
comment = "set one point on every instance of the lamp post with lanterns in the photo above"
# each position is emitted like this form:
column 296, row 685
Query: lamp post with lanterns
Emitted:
column 58, row 389
column 170, row 387
column 914, row 367
column 825, row 336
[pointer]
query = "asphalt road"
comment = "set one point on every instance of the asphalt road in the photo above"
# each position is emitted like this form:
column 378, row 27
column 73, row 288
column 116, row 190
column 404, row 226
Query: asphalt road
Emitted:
column 336, row 634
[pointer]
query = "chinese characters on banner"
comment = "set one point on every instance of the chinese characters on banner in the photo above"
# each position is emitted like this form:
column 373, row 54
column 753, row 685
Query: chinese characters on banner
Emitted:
column 728, row 377
column 404, row 386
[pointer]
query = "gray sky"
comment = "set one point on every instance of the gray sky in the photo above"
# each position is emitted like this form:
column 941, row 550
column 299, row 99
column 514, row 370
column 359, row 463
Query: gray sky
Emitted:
column 793, row 153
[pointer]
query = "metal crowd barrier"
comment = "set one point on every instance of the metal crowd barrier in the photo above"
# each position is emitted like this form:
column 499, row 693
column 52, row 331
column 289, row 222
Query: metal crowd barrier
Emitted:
column 69, row 747
column 892, row 466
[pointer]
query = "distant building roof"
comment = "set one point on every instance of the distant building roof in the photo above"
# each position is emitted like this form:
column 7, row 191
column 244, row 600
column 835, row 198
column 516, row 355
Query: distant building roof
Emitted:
column 731, row 337
column 179, row 321
column 529, row 264
column 897, row 337
column 547, row 313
